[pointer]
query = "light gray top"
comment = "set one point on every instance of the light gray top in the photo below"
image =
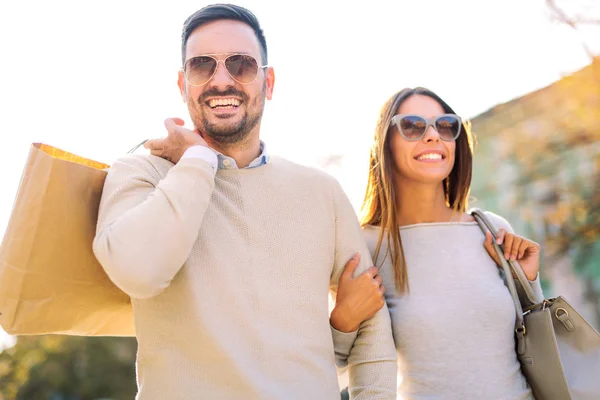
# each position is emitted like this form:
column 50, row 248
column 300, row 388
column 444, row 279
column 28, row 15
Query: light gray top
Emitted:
column 454, row 330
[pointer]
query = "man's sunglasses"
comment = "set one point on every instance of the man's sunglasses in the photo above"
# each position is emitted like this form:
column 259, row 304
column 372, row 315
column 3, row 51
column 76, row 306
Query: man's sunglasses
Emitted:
column 242, row 68
column 413, row 127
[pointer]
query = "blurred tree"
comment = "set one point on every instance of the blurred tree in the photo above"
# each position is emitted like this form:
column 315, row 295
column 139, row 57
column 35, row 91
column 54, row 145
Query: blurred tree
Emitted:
column 543, row 152
column 68, row 368
column 579, row 232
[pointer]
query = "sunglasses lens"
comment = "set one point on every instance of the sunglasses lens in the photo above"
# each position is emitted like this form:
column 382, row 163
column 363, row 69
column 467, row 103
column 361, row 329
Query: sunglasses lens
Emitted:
column 198, row 70
column 448, row 127
column 243, row 68
column 412, row 127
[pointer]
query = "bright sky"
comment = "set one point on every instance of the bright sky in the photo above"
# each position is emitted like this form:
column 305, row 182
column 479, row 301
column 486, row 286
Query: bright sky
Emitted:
column 95, row 78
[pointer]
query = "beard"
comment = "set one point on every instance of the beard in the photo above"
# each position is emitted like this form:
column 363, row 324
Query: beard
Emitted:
column 227, row 133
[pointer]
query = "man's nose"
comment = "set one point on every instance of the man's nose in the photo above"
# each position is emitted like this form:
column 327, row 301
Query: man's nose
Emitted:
column 221, row 79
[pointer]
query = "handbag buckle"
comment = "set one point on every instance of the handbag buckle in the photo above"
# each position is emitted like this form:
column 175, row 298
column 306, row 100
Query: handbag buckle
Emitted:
column 544, row 304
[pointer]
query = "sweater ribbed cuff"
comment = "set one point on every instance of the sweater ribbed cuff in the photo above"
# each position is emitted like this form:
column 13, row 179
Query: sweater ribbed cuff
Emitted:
column 342, row 344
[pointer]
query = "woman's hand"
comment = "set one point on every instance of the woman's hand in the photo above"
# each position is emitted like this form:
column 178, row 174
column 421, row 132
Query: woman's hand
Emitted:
column 358, row 298
column 516, row 248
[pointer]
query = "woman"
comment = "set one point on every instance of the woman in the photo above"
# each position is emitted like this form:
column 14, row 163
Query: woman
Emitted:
column 452, row 316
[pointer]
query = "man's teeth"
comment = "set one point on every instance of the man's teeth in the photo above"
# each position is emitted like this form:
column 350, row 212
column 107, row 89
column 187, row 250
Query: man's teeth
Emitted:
column 430, row 156
column 223, row 103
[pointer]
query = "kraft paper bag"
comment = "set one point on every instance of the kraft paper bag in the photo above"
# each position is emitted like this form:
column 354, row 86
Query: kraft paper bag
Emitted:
column 50, row 280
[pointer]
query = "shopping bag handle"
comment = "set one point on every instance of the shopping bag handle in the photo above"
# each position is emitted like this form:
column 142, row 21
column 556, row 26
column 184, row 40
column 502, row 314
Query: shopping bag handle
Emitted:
column 137, row 146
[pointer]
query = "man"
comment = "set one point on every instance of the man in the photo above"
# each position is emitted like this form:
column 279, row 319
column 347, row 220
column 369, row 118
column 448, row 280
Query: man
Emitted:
column 228, row 254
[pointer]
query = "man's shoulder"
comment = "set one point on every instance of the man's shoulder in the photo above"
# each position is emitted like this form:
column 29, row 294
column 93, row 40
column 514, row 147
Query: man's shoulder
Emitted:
column 141, row 164
column 143, row 160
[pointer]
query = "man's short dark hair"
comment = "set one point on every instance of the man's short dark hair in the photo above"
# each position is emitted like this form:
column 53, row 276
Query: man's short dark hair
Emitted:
column 216, row 12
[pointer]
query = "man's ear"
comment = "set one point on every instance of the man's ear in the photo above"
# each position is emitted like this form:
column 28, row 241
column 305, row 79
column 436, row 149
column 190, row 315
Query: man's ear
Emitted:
column 269, row 82
column 182, row 86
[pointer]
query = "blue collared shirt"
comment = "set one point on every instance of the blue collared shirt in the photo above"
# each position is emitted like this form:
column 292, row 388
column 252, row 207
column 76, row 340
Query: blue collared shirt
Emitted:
column 218, row 160
column 229, row 163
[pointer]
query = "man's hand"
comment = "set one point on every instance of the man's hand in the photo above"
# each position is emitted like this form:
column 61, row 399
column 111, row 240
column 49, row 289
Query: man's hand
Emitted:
column 358, row 299
column 178, row 140
column 516, row 248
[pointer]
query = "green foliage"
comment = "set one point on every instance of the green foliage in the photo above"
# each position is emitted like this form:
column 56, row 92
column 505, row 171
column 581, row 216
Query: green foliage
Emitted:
column 68, row 368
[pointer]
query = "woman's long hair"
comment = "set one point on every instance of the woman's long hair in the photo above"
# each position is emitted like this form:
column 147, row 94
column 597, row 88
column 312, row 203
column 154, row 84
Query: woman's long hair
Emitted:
column 379, row 205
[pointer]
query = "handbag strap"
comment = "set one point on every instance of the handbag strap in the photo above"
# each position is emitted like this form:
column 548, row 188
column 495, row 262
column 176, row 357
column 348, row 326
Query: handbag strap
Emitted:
column 514, row 266
column 509, row 268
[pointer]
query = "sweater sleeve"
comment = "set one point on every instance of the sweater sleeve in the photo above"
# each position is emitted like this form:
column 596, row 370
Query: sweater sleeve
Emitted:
column 147, row 223
column 342, row 344
column 372, row 358
column 502, row 223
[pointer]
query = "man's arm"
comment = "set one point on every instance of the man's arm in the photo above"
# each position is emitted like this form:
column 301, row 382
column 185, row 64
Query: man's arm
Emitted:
column 372, row 359
column 148, row 225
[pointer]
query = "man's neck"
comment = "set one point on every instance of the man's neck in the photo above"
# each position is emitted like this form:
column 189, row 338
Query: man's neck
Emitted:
column 243, row 153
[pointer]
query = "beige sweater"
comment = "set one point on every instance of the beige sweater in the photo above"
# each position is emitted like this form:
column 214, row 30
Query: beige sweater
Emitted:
column 230, row 276
column 454, row 330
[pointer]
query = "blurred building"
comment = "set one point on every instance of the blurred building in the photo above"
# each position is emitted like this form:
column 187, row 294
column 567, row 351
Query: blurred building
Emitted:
column 537, row 163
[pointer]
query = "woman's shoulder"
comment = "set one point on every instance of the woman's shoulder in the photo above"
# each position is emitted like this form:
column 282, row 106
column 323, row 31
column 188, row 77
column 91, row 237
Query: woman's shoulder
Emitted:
column 499, row 221
column 370, row 230
column 371, row 235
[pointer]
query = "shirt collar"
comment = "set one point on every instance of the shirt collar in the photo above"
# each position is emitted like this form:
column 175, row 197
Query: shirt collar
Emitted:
column 226, row 162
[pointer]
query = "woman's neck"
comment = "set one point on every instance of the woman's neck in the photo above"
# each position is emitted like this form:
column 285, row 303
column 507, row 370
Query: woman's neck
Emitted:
column 422, row 203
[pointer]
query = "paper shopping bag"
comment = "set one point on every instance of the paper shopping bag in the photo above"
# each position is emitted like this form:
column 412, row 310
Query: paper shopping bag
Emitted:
column 50, row 280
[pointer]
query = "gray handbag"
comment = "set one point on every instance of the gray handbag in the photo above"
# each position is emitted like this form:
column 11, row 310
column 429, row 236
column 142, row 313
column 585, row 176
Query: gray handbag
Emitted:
column 559, row 351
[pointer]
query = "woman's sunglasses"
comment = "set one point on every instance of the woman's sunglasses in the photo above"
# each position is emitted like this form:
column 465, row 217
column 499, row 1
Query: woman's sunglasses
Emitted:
column 413, row 127
column 242, row 68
